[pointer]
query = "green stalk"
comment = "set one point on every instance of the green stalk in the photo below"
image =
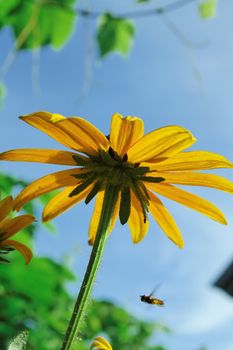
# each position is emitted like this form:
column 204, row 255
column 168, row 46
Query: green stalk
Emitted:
column 109, row 202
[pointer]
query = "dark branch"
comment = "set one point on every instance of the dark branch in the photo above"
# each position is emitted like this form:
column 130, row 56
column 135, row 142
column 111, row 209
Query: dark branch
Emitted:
column 140, row 14
column 175, row 5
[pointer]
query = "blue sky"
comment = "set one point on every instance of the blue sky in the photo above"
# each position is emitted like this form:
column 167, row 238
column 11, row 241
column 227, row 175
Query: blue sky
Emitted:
column 157, row 82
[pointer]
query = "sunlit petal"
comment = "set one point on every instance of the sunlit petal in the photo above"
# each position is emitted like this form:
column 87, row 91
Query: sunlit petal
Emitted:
column 193, row 160
column 165, row 220
column 132, row 162
column 100, row 343
column 138, row 227
column 73, row 132
column 61, row 202
column 22, row 248
column 87, row 135
column 197, row 179
column 162, row 142
column 94, row 223
column 46, row 184
column 190, row 200
column 49, row 124
column 5, row 207
column 125, row 132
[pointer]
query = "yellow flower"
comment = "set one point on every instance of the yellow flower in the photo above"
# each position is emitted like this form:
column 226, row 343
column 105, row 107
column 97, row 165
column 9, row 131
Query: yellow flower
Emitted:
column 138, row 166
column 9, row 227
column 100, row 343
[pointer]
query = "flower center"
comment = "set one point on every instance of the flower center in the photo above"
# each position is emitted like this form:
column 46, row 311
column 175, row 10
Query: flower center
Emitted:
column 109, row 169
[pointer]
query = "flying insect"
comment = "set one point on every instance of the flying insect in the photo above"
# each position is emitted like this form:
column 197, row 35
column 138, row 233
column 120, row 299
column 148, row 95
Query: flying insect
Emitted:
column 150, row 299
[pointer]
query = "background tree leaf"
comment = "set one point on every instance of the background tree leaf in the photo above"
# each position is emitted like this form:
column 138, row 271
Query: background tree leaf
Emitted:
column 142, row 1
column 36, row 298
column 5, row 10
column 114, row 34
column 207, row 9
column 2, row 93
column 37, row 24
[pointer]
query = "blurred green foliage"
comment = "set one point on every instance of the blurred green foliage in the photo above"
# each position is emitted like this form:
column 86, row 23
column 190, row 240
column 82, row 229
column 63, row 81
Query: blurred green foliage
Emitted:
column 35, row 298
column 208, row 9
column 10, row 185
column 38, row 23
column 2, row 93
column 114, row 34
column 122, row 329
column 142, row 1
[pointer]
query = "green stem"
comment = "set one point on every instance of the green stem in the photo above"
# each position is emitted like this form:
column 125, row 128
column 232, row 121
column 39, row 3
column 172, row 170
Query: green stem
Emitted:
column 109, row 202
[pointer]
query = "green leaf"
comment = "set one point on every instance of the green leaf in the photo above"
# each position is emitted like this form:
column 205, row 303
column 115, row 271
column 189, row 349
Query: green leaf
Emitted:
column 62, row 28
column 42, row 23
column 2, row 93
column 114, row 34
column 50, row 227
column 6, row 7
column 207, row 9
column 8, row 184
column 45, row 198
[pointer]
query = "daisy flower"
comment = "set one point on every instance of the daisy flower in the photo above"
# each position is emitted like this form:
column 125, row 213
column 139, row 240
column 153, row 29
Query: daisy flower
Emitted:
column 10, row 226
column 139, row 167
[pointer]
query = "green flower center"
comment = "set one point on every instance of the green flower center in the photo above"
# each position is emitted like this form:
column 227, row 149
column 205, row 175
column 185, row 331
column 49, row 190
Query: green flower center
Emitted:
column 109, row 169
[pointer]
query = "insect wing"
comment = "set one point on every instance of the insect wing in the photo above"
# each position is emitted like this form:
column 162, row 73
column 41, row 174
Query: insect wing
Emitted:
column 154, row 290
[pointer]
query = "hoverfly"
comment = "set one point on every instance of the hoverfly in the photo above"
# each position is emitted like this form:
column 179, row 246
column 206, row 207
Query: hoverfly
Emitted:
column 150, row 299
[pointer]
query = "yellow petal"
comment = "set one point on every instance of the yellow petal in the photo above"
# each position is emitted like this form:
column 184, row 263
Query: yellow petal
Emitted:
column 56, row 117
column 22, row 248
column 39, row 156
column 62, row 202
column 136, row 222
column 189, row 200
column 5, row 207
column 44, row 121
column 165, row 220
column 163, row 142
column 197, row 179
column 10, row 226
column 193, row 160
column 100, row 343
column 46, row 184
column 94, row 223
column 86, row 134
column 125, row 132
column 73, row 132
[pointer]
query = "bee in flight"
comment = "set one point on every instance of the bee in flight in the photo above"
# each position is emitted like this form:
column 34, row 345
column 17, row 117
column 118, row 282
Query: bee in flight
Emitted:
column 150, row 299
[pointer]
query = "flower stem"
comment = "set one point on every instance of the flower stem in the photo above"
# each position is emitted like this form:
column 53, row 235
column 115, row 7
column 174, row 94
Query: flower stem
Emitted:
column 109, row 202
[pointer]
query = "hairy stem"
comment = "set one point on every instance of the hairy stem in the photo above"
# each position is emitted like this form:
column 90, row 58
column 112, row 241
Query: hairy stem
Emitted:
column 109, row 202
